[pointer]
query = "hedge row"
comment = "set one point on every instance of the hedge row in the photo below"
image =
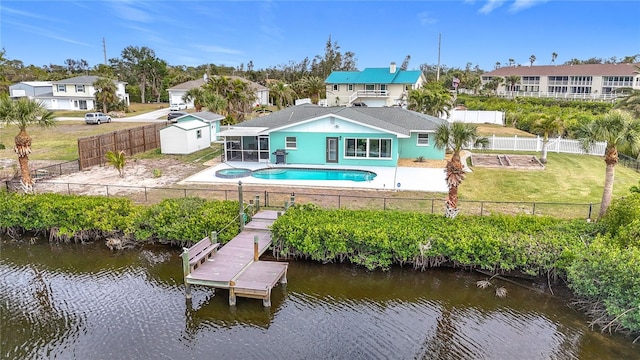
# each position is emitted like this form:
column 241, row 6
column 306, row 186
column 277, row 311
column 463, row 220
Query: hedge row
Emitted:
column 83, row 218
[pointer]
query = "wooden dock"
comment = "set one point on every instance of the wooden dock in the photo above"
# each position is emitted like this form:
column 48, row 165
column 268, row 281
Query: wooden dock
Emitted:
column 236, row 266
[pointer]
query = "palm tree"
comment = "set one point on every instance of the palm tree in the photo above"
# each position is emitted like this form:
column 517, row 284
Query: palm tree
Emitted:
column 512, row 81
column 547, row 125
column 282, row 94
column 105, row 93
column 431, row 99
column 497, row 64
column 195, row 95
column 511, row 62
column 554, row 56
column 117, row 160
column 532, row 59
column 24, row 113
column 454, row 137
column 618, row 128
column 314, row 86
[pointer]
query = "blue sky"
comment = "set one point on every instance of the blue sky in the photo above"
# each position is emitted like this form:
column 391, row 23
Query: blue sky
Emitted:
column 271, row 33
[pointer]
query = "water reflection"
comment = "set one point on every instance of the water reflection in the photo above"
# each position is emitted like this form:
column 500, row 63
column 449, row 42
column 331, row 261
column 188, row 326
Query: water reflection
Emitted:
column 86, row 302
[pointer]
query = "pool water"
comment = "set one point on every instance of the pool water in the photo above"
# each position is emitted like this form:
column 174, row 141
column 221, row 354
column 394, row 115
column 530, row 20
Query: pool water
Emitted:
column 313, row 174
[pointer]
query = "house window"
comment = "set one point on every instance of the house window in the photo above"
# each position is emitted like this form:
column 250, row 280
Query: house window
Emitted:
column 336, row 87
column 383, row 87
column 423, row 139
column 199, row 134
column 368, row 148
column 350, row 87
column 291, row 142
column 80, row 88
column 369, row 87
column 62, row 88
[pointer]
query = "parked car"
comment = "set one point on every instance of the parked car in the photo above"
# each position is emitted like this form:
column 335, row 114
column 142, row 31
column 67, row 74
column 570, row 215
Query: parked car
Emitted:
column 174, row 115
column 178, row 107
column 361, row 104
column 96, row 118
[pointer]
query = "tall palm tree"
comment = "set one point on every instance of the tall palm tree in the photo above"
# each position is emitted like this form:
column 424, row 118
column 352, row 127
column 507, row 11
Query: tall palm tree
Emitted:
column 454, row 137
column 105, row 93
column 548, row 125
column 195, row 95
column 554, row 56
column 24, row 113
column 618, row 128
column 532, row 59
column 282, row 94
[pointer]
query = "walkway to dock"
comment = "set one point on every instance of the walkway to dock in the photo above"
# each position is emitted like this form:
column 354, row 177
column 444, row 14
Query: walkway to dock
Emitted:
column 236, row 266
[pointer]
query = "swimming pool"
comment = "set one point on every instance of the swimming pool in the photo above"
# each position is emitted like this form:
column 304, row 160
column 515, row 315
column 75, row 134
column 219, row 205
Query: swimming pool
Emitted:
column 313, row 174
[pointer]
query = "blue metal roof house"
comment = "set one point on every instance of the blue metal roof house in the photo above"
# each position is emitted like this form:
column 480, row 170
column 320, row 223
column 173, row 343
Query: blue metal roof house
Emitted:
column 374, row 87
column 316, row 135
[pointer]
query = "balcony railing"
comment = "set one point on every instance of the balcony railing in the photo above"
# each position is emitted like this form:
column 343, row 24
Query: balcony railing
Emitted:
column 368, row 94
column 557, row 95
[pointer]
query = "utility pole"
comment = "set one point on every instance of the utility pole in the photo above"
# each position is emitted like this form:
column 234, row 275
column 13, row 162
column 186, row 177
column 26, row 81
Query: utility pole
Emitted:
column 438, row 69
column 104, row 50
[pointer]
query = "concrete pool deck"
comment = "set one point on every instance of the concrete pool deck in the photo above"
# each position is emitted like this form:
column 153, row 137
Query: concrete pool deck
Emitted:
column 388, row 178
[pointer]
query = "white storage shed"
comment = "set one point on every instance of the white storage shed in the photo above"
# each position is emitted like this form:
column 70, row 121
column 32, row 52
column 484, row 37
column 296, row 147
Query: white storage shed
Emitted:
column 185, row 137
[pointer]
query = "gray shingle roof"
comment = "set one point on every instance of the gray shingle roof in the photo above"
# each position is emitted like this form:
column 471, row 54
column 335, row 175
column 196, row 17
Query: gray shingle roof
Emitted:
column 391, row 119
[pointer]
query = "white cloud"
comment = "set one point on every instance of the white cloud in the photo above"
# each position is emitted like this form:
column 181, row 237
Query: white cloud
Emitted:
column 216, row 49
column 524, row 4
column 425, row 18
column 491, row 5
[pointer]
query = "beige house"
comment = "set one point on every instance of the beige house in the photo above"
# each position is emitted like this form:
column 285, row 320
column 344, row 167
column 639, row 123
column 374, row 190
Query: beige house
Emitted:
column 176, row 92
column 588, row 81
column 374, row 87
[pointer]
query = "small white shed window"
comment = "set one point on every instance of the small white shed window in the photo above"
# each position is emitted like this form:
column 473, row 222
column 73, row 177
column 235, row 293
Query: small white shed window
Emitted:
column 199, row 134
column 291, row 142
column 423, row 139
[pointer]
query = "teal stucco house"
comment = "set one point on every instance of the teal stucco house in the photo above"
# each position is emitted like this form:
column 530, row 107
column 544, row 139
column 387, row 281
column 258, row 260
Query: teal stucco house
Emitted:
column 315, row 135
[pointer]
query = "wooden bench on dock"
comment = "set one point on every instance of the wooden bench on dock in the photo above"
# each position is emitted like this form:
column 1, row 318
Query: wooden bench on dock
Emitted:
column 197, row 254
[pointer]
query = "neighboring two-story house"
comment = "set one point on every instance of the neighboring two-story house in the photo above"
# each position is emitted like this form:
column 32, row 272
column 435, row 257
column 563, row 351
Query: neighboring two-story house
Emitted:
column 374, row 87
column 69, row 94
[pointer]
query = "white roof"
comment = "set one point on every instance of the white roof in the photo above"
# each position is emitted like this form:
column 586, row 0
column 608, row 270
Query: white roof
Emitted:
column 37, row 83
column 242, row 131
column 190, row 124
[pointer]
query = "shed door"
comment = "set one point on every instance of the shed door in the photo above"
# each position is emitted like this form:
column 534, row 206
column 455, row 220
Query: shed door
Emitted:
column 332, row 150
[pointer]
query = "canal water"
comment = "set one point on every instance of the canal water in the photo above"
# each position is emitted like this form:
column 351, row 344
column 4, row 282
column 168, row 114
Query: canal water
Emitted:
column 85, row 302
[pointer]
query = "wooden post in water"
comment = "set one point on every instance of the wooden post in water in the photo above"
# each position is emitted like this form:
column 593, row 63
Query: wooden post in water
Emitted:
column 241, row 201
column 232, row 293
column 255, row 248
column 185, row 271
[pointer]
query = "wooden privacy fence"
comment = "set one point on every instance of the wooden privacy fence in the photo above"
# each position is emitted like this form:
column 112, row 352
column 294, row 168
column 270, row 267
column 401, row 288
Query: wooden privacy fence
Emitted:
column 92, row 149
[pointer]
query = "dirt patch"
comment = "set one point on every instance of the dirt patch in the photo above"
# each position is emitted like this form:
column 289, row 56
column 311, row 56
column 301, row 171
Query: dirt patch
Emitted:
column 422, row 164
column 138, row 173
column 528, row 162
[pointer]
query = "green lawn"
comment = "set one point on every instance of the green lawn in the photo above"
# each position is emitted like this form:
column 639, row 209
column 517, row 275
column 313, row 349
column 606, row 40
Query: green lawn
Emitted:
column 59, row 142
column 566, row 178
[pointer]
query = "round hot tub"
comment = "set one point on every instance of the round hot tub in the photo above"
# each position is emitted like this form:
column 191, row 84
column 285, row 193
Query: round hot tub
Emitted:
column 233, row 173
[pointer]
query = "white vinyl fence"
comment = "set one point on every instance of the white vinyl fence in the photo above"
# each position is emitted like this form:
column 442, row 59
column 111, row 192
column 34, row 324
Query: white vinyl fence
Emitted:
column 476, row 117
column 558, row 145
